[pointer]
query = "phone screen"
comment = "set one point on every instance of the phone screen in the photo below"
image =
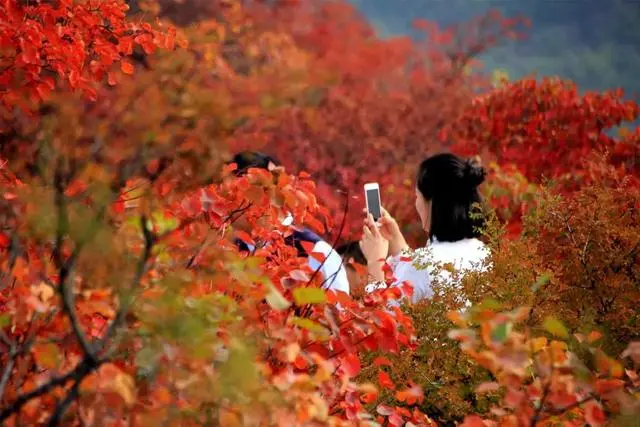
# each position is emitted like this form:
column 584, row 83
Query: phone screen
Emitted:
column 373, row 203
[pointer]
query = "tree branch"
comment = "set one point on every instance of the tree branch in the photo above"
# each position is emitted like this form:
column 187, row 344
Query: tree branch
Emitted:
column 65, row 267
column 13, row 352
column 84, row 368
column 62, row 407
column 141, row 267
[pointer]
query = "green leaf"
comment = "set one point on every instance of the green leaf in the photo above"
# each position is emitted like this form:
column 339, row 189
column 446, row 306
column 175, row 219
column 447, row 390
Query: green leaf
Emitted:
column 276, row 300
column 555, row 327
column 489, row 304
column 163, row 222
column 5, row 320
column 304, row 296
column 501, row 332
column 542, row 280
column 239, row 373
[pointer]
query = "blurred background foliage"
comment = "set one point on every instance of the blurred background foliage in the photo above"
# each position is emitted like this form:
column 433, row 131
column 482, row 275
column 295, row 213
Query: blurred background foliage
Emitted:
column 595, row 43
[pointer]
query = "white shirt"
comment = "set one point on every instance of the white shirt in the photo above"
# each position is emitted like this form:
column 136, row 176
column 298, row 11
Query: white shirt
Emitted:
column 332, row 269
column 419, row 267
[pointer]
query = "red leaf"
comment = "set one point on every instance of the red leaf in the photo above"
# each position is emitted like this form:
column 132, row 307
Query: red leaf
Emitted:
column 384, row 410
column 607, row 386
column 111, row 79
column 594, row 414
column 75, row 188
column 472, row 421
column 118, row 206
column 192, row 206
column 382, row 361
column 351, row 365
column 385, row 380
column 170, row 39
column 308, row 247
column 74, row 78
column 4, row 240
column 125, row 44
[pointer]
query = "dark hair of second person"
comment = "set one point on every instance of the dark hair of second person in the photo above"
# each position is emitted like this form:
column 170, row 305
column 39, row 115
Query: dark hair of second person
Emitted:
column 246, row 160
column 352, row 254
column 449, row 184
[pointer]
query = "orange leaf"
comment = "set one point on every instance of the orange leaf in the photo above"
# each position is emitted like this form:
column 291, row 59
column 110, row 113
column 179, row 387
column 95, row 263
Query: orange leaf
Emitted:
column 127, row 67
column 228, row 418
column 411, row 395
column 161, row 395
column 593, row 336
column 457, row 319
column 314, row 224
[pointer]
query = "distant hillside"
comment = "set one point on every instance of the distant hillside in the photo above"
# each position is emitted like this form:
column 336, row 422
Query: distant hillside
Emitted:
column 596, row 43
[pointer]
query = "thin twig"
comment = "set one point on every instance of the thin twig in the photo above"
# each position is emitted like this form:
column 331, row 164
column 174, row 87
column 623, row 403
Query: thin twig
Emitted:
column 62, row 407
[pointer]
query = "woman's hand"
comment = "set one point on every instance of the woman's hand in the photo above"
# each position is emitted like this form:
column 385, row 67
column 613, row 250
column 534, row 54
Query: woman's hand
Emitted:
column 374, row 247
column 390, row 230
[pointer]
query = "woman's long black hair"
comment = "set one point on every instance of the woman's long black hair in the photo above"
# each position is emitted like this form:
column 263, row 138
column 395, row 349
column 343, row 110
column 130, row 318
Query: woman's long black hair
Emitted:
column 451, row 184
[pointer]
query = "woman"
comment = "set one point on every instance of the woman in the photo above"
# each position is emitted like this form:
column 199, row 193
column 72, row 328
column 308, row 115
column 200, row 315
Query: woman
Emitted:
column 446, row 193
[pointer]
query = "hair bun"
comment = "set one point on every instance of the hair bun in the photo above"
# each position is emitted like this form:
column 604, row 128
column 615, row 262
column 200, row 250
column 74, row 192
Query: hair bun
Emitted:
column 474, row 173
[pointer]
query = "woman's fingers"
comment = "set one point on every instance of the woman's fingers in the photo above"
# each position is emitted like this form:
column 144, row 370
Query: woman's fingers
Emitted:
column 369, row 221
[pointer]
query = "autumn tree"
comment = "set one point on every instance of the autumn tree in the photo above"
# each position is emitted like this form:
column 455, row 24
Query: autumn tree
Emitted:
column 123, row 296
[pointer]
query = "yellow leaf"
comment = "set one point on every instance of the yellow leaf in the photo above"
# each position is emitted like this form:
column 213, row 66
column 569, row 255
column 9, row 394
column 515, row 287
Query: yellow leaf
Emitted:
column 304, row 296
column 124, row 385
column 276, row 300
column 555, row 327
column 538, row 344
column 114, row 379
column 47, row 355
column 292, row 351
column 43, row 291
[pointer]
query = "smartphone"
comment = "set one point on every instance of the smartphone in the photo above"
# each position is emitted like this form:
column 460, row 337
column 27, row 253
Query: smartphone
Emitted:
column 372, row 196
